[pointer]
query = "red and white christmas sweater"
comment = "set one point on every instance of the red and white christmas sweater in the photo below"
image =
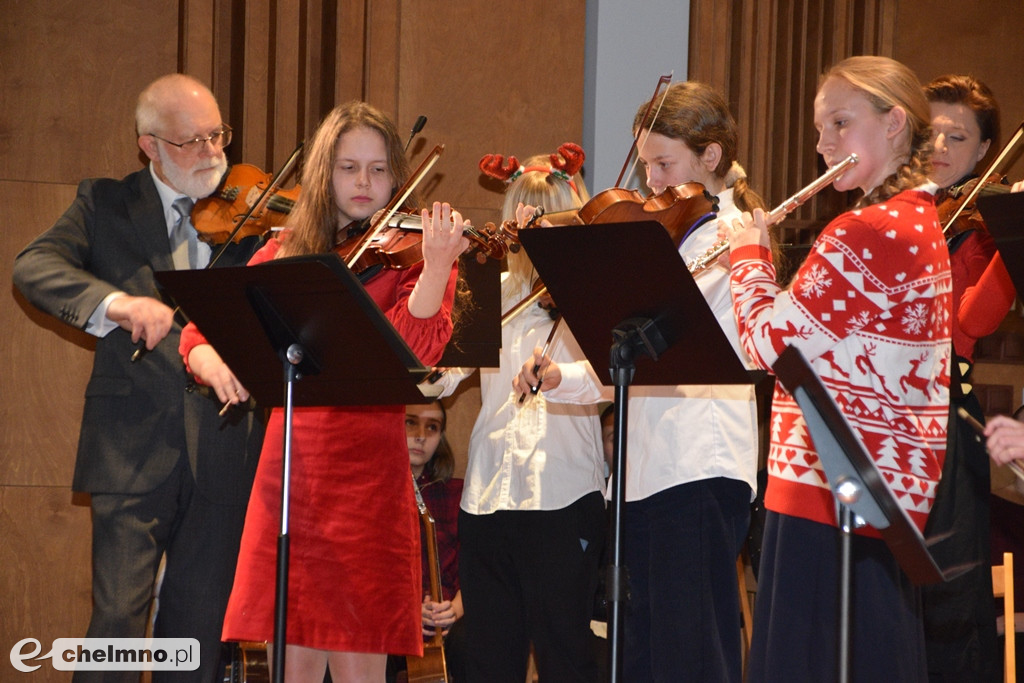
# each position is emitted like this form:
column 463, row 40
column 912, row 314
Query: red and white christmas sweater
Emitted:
column 870, row 309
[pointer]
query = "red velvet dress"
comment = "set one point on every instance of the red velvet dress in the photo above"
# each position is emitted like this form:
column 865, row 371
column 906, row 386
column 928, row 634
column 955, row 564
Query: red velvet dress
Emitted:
column 354, row 576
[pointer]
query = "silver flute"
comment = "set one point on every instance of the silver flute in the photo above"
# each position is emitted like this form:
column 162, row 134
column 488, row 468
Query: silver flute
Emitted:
column 708, row 258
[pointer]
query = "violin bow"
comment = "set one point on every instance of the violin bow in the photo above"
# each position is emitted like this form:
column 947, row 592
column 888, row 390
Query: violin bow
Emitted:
column 396, row 201
column 647, row 120
column 992, row 168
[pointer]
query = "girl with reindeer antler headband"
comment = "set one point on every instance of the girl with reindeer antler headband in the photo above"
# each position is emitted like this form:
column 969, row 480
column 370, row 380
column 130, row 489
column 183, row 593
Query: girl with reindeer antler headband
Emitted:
column 546, row 180
column 532, row 522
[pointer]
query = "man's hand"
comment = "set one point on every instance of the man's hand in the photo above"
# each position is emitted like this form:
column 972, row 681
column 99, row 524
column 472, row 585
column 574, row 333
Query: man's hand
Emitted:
column 145, row 317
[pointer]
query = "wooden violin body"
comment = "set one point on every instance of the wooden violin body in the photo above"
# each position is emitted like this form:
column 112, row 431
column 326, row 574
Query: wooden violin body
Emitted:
column 430, row 668
column 957, row 210
column 677, row 209
column 215, row 217
column 399, row 244
column 248, row 664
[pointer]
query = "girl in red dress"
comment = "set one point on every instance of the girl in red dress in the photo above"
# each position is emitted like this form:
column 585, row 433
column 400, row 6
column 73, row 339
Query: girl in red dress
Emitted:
column 354, row 579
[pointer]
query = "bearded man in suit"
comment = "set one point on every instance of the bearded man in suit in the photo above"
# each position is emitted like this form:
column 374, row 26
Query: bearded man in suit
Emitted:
column 168, row 476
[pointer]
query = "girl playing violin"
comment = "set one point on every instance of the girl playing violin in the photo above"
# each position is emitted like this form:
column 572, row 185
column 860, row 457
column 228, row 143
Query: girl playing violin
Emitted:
column 869, row 309
column 354, row 591
column 532, row 523
column 692, row 465
column 959, row 616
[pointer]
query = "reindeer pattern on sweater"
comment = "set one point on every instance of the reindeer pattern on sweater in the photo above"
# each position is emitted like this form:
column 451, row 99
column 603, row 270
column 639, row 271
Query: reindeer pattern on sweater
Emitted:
column 870, row 310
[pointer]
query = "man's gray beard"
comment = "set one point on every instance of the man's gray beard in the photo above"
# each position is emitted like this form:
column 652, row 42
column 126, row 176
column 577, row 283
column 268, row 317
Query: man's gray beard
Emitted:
column 186, row 182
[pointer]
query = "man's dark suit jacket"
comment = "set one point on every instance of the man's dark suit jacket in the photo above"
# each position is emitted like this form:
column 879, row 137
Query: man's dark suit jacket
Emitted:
column 138, row 416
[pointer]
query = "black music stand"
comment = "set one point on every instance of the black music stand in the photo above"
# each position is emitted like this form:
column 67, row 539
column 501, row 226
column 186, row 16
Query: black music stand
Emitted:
column 311, row 316
column 1004, row 218
column 861, row 494
column 476, row 342
column 626, row 288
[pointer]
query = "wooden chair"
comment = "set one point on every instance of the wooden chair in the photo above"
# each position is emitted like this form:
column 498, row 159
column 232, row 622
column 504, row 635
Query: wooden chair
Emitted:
column 1002, row 587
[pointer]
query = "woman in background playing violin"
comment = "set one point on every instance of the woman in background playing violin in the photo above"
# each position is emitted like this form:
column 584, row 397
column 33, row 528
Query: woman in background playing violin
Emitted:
column 354, row 591
column 433, row 466
column 959, row 616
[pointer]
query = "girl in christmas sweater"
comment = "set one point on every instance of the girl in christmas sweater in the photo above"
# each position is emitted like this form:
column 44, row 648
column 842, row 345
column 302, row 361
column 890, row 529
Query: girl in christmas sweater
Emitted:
column 870, row 310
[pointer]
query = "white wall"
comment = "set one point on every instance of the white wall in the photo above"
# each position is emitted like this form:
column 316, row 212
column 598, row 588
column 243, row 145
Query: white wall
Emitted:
column 629, row 45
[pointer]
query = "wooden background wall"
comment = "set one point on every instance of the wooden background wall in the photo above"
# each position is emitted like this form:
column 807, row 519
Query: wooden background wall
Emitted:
column 71, row 72
column 770, row 53
column 490, row 77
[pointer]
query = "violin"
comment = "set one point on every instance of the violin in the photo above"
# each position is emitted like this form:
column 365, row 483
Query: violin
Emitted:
column 957, row 210
column 398, row 245
column 431, row 667
column 678, row 209
column 216, row 217
column 223, row 231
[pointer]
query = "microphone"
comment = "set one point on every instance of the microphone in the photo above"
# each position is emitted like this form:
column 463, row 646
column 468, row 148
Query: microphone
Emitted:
column 416, row 128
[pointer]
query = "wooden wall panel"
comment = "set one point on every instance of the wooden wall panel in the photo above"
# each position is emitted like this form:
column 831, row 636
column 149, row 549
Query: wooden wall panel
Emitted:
column 488, row 90
column 766, row 58
column 84, row 63
column 939, row 37
column 71, row 74
column 799, row 39
column 45, row 575
column 45, row 364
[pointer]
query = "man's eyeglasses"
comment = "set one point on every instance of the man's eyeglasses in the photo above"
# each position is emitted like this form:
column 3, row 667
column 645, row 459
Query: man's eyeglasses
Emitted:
column 219, row 139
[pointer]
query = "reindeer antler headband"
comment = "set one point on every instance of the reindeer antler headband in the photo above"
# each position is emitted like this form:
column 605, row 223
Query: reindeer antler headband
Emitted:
column 565, row 163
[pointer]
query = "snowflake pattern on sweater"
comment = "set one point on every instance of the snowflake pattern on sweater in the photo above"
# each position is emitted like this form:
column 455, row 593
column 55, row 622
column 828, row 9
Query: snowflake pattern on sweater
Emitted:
column 870, row 310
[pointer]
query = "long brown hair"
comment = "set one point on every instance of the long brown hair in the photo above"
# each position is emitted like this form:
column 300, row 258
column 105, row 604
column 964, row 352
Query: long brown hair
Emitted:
column 887, row 83
column 697, row 115
column 314, row 219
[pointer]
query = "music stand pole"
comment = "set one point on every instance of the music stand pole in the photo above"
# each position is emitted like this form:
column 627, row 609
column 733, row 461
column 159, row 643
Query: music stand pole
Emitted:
column 293, row 357
column 847, row 492
column 616, row 581
column 633, row 337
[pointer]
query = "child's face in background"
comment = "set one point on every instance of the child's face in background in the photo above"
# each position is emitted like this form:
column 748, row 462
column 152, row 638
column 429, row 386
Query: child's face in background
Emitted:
column 423, row 429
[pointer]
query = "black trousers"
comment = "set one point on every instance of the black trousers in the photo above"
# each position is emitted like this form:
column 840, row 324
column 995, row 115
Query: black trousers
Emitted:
column 530, row 576
column 130, row 535
column 682, row 616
